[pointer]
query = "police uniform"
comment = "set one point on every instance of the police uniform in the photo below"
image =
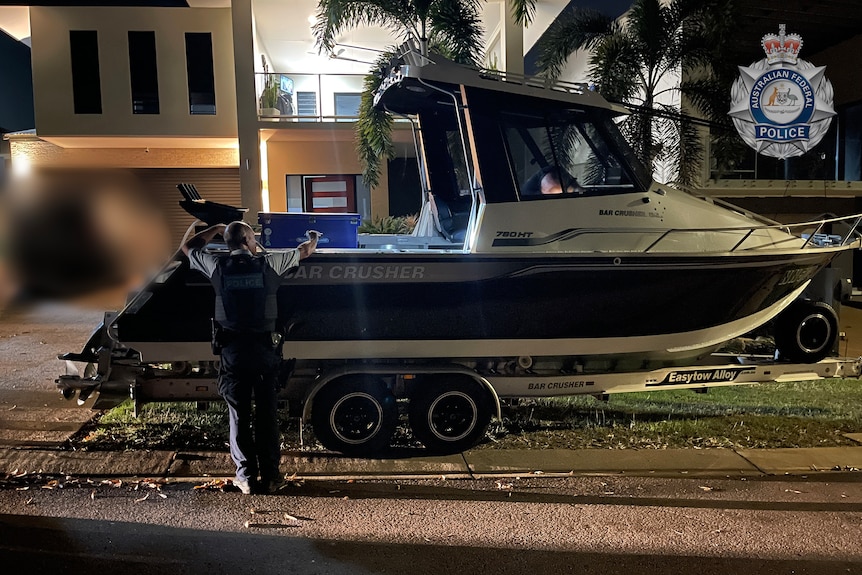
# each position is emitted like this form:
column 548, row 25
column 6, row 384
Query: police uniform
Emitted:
column 247, row 308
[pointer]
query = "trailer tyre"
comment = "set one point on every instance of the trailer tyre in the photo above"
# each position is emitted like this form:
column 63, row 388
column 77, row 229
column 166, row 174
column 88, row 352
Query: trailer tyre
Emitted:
column 806, row 331
column 355, row 416
column 449, row 415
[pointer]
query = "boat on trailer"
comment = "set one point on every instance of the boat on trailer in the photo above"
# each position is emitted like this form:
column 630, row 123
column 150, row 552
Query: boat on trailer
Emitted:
column 548, row 251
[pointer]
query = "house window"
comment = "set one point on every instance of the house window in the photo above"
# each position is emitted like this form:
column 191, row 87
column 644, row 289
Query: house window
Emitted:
column 199, row 69
column 143, row 72
column 306, row 103
column 86, row 83
column 347, row 104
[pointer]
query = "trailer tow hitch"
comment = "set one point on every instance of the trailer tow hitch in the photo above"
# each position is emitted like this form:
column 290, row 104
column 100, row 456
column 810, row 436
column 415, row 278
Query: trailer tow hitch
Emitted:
column 97, row 370
column 72, row 381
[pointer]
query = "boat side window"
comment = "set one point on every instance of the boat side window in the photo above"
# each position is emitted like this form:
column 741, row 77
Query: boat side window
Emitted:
column 449, row 173
column 447, row 162
column 463, row 181
column 561, row 155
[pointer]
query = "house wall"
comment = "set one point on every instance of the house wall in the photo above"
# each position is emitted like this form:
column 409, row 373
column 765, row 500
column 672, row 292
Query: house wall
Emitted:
column 52, row 76
column 40, row 153
column 317, row 158
column 842, row 69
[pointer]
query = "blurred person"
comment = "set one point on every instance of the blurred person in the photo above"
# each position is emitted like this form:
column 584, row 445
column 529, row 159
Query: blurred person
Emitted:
column 73, row 232
column 246, row 283
column 550, row 183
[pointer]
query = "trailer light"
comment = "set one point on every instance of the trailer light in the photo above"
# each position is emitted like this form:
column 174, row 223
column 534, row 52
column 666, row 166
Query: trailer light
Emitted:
column 202, row 388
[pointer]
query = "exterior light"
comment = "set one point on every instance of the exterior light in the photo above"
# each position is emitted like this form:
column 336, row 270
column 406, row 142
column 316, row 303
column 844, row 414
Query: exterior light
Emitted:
column 21, row 166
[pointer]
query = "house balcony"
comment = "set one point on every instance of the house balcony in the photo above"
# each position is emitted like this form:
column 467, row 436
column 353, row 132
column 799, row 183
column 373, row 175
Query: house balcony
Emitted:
column 293, row 98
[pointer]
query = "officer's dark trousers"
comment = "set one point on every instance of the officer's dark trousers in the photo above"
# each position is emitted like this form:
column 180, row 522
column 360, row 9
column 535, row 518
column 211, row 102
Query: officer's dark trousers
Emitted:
column 247, row 367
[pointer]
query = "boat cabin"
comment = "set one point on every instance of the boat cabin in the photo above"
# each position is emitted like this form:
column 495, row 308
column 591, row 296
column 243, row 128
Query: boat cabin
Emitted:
column 489, row 138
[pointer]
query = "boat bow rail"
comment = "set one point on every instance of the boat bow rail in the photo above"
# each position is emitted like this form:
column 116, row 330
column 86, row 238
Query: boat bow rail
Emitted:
column 755, row 237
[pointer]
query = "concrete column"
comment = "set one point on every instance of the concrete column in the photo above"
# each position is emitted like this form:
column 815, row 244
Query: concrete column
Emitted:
column 512, row 41
column 246, row 109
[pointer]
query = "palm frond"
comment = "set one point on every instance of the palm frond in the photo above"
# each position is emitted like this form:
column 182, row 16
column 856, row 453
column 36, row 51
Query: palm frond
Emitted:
column 523, row 11
column 689, row 151
column 708, row 95
column 575, row 30
column 616, row 68
column 373, row 130
column 458, row 25
column 648, row 28
column 336, row 16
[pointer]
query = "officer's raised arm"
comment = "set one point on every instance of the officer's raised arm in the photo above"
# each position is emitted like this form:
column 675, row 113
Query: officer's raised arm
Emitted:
column 201, row 239
column 307, row 248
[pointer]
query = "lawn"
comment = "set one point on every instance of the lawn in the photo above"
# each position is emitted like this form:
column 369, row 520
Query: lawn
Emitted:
column 801, row 414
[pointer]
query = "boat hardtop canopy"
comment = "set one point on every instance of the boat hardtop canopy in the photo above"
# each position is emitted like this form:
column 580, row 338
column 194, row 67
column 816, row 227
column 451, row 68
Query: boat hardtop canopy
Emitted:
column 493, row 137
column 413, row 71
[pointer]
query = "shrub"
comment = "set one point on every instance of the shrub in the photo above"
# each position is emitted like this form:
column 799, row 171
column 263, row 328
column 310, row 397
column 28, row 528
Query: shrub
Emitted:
column 389, row 225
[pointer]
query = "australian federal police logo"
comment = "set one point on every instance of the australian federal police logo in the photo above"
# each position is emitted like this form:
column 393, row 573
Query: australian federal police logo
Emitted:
column 782, row 106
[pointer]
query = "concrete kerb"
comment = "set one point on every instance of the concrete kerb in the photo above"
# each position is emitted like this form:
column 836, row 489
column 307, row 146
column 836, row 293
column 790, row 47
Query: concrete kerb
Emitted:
column 804, row 460
column 86, row 463
column 672, row 462
column 197, row 464
column 185, row 466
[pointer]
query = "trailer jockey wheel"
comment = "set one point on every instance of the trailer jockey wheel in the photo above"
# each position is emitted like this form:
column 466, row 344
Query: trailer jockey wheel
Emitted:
column 449, row 413
column 355, row 415
column 805, row 332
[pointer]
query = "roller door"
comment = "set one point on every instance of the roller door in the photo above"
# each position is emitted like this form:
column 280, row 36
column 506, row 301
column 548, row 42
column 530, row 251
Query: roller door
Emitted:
column 215, row 184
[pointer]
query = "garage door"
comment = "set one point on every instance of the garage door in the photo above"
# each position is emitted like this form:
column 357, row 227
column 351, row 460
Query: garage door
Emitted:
column 214, row 184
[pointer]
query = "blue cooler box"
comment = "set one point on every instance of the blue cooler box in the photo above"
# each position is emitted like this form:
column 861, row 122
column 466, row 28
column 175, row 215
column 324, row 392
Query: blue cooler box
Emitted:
column 287, row 230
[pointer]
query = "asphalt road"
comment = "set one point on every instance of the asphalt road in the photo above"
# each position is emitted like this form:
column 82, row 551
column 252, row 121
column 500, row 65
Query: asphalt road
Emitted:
column 32, row 412
column 572, row 525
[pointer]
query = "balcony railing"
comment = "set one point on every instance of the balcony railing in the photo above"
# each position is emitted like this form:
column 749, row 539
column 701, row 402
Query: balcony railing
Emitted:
column 308, row 97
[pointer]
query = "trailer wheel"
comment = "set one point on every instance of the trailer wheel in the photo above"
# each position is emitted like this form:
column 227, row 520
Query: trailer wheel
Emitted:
column 354, row 415
column 806, row 331
column 449, row 415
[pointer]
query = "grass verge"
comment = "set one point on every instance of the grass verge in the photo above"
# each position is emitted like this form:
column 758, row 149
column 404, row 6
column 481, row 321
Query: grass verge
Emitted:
column 802, row 414
column 775, row 415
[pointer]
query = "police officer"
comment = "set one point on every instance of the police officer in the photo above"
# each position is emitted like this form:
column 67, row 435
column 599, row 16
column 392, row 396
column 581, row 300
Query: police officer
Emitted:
column 246, row 310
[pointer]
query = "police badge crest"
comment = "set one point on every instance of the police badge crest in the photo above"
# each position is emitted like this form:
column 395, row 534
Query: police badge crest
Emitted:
column 782, row 105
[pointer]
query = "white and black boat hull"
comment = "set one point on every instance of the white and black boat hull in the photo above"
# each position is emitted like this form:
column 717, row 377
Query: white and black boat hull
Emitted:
column 644, row 307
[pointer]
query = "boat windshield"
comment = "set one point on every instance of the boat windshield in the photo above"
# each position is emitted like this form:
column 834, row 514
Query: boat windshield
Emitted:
column 565, row 153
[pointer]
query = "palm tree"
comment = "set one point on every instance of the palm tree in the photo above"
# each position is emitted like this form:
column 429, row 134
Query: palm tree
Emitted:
column 659, row 51
column 451, row 28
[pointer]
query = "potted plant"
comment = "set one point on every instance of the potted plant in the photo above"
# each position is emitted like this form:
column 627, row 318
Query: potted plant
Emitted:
column 269, row 96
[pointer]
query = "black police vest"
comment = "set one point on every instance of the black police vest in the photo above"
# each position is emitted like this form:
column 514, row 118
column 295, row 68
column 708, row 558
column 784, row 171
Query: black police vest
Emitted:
column 246, row 288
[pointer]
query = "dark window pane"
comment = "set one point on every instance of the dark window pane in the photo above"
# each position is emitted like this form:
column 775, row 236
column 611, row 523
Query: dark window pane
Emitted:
column 86, row 84
column 199, row 68
column 143, row 72
column 347, row 104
